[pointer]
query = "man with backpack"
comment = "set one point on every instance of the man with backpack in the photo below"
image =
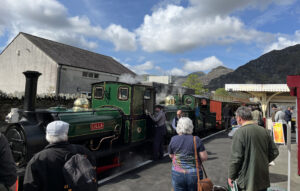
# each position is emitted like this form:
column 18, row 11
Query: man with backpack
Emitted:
column 8, row 171
column 59, row 166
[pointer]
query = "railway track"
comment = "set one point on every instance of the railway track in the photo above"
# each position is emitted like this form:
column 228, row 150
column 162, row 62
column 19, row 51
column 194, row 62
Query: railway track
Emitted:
column 141, row 164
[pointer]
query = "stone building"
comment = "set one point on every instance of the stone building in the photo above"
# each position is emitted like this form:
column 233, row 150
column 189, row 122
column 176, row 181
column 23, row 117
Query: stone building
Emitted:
column 65, row 69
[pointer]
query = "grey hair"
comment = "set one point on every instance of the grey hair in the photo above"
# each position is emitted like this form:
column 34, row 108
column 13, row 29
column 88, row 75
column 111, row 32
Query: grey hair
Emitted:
column 56, row 139
column 184, row 126
column 244, row 113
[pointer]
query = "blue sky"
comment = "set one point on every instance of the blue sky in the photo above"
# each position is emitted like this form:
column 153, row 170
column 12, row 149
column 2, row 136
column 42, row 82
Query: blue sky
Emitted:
column 160, row 37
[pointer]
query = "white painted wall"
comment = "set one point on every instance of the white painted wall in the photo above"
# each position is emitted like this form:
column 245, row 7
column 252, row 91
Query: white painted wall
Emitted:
column 73, row 82
column 160, row 79
column 21, row 55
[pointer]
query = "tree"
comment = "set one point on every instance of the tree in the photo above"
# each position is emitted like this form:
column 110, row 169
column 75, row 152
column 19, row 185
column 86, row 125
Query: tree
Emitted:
column 221, row 92
column 194, row 82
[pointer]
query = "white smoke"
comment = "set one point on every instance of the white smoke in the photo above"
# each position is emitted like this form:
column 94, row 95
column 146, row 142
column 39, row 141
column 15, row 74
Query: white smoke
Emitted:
column 129, row 79
column 167, row 91
column 161, row 96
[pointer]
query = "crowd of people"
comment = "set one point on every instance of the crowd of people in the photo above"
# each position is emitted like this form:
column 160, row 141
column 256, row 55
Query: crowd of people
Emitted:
column 251, row 152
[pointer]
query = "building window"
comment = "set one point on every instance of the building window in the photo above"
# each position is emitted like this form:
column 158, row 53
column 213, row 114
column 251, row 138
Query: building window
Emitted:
column 123, row 93
column 90, row 75
column 84, row 74
column 98, row 92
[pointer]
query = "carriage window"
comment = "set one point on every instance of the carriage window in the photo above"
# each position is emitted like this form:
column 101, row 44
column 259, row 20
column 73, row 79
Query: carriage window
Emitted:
column 147, row 94
column 123, row 93
column 98, row 92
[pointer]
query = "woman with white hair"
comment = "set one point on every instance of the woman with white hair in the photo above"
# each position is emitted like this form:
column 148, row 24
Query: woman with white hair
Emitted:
column 181, row 151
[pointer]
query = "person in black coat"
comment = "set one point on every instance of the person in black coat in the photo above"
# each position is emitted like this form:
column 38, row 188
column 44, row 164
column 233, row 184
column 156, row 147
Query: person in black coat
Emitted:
column 288, row 114
column 44, row 170
column 159, row 119
column 227, row 114
column 288, row 117
column 8, row 171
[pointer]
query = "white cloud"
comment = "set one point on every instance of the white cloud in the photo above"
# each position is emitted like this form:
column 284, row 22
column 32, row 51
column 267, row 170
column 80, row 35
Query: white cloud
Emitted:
column 142, row 68
column 176, row 72
column 174, row 28
column 50, row 19
column 189, row 66
column 121, row 37
column 202, row 65
column 283, row 42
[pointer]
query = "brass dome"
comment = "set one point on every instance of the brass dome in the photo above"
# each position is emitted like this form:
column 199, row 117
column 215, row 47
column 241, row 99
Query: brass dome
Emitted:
column 81, row 104
column 170, row 100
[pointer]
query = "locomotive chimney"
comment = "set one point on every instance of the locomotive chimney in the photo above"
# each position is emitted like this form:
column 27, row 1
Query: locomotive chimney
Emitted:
column 30, row 90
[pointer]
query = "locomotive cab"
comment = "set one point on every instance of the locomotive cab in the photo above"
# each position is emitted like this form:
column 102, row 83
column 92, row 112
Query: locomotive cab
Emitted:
column 132, row 100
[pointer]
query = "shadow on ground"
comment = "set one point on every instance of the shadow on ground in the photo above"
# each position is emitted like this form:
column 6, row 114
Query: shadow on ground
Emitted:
column 274, row 178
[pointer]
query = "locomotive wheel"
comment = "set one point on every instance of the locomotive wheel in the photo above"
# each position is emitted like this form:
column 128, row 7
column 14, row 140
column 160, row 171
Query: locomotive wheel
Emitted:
column 16, row 139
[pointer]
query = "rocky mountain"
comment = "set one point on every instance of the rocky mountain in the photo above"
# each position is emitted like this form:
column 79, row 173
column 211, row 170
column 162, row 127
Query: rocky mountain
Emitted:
column 178, row 80
column 200, row 74
column 270, row 68
column 214, row 73
column 205, row 78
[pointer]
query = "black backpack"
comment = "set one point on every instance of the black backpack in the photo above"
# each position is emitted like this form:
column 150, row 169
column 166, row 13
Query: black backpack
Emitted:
column 79, row 173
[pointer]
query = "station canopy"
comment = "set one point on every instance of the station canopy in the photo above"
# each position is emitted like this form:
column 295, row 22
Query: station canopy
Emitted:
column 262, row 92
column 257, row 87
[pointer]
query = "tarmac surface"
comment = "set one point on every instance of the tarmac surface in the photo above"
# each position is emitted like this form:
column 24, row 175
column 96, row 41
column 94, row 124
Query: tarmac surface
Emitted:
column 157, row 175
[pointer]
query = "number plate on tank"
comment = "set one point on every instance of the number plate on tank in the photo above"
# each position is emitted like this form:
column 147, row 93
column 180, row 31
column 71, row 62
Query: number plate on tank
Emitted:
column 97, row 126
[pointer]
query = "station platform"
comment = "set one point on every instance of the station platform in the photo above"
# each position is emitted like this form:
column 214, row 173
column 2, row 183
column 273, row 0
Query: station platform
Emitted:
column 157, row 175
column 278, row 172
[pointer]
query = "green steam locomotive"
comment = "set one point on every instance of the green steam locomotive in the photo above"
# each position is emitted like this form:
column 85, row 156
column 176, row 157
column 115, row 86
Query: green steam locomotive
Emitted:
column 116, row 120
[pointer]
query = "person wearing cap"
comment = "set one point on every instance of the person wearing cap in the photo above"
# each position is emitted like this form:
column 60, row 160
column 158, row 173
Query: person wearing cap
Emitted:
column 159, row 119
column 44, row 170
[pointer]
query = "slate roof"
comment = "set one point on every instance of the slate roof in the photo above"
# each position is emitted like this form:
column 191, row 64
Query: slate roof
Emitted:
column 72, row 56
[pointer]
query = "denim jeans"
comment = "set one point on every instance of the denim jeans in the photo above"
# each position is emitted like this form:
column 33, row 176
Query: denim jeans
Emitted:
column 185, row 181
